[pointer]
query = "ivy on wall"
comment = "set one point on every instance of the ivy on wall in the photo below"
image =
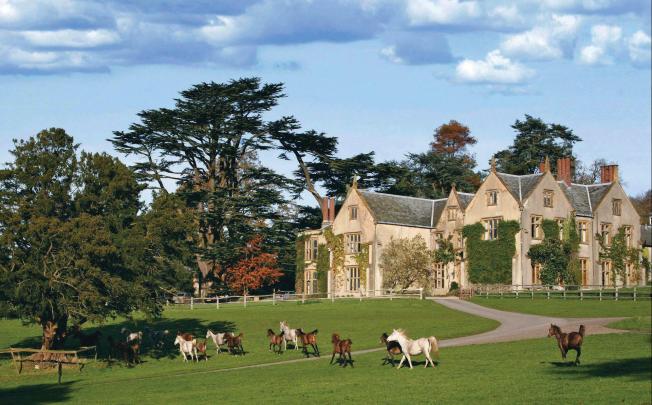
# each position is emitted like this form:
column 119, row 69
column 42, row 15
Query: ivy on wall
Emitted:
column 322, row 268
column 300, row 264
column 362, row 260
column 550, row 229
column 490, row 261
column 558, row 258
column 336, row 245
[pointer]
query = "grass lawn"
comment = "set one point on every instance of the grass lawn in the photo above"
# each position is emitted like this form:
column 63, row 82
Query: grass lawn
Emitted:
column 568, row 308
column 615, row 369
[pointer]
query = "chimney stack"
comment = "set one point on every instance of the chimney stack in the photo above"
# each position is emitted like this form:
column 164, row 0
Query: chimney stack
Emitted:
column 324, row 210
column 608, row 173
column 542, row 167
column 564, row 170
column 331, row 210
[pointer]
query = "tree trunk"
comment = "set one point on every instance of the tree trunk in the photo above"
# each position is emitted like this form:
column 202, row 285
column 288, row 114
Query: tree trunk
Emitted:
column 54, row 334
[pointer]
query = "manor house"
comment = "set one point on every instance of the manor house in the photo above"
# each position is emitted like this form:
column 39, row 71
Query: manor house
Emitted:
column 368, row 221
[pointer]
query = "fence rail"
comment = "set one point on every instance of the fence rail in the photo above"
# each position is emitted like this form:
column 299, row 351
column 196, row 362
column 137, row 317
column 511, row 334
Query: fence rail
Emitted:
column 569, row 292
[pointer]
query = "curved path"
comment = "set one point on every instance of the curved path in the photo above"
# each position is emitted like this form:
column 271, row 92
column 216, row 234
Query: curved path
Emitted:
column 519, row 326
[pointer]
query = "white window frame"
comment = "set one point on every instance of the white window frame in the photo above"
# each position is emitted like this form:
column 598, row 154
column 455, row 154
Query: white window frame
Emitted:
column 548, row 198
column 353, row 243
column 492, row 198
column 491, row 228
column 352, row 278
column 353, row 213
column 536, row 228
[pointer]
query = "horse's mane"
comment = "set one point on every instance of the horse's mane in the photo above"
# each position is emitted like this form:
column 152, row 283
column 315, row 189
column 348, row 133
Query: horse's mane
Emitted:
column 402, row 333
column 555, row 328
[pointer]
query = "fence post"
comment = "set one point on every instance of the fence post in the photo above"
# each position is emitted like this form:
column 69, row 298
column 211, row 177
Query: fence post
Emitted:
column 273, row 297
column 532, row 293
column 500, row 289
column 600, row 293
column 217, row 302
column 391, row 292
column 616, row 295
column 421, row 293
column 245, row 300
column 332, row 298
column 303, row 297
column 581, row 295
column 564, row 293
column 192, row 302
column 548, row 294
column 634, row 293
column 516, row 294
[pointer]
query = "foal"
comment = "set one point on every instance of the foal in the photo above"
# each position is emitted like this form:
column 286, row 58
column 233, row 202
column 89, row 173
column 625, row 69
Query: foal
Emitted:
column 393, row 349
column 568, row 341
column 275, row 341
column 341, row 347
column 308, row 339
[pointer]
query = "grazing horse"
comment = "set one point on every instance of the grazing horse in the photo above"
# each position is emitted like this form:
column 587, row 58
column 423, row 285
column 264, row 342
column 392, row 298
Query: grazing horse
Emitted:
column 234, row 343
column 275, row 341
column 218, row 338
column 341, row 347
column 91, row 339
column 289, row 334
column 308, row 339
column 414, row 347
column 568, row 341
column 393, row 349
column 187, row 348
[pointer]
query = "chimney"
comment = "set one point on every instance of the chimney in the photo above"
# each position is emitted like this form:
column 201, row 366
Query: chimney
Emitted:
column 608, row 173
column 331, row 210
column 324, row 210
column 564, row 170
column 542, row 167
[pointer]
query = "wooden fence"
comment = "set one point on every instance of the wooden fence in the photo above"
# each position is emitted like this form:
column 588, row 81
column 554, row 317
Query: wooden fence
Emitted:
column 570, row 292
column 56, row 357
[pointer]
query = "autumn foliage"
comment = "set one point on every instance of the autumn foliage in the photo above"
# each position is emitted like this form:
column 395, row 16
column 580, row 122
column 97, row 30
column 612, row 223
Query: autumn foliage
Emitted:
column 254, row 270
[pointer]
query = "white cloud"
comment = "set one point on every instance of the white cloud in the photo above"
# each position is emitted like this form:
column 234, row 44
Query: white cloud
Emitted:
column 493, row 69
column 639, row 45
column 71, row 38
column 423, row 12
column 605, row 44
column 553, row 40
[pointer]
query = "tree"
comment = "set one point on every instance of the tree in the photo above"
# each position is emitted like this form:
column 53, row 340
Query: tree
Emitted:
column 62, row 233
column 643, row 205
column 535, row 140
column 254, row 270
column 588, row 174
column 452, row 140
column 558, row 258
column 405, row 262
column 619, row 254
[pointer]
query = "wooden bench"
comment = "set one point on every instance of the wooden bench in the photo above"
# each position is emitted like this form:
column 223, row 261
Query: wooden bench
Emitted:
column 58, row 357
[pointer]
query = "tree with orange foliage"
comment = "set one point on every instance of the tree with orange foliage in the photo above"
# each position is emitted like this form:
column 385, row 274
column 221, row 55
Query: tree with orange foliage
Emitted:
column 254, row 270
column 452, row 139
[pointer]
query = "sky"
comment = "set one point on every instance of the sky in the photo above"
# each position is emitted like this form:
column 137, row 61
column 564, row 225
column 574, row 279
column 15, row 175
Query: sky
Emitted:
column 380, row 75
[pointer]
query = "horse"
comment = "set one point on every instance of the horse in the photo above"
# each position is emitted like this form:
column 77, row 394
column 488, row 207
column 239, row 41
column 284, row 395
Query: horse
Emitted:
column 275, row 341
column 308, row 339
column 129, row 351
column 414, row 347
column 157, row 337
column 234, row 343
column 132, row 335
column 187, row 347
column 91, row 339
column 289, row 334
column 341, row 347
column 201, row 348
column 218, row 338
column 568, row 341
column 393, row 349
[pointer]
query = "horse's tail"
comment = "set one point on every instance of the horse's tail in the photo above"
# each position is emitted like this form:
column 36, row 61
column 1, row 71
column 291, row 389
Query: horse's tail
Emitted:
column 434, row 347
column 582, row 330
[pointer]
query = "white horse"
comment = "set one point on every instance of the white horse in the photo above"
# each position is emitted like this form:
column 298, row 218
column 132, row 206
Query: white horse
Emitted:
column 414, row 347
column 289, row 334
column 218, row 338
column 187, row 347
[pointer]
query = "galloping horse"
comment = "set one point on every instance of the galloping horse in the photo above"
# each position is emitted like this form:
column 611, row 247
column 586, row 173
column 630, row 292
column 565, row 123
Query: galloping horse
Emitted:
column 275, row 341
column 308, row 339
column 568, row 341
column 341, row 347
column 234, row 343
column 218, row 338
column 413, row 347
column 393, row 349
column 187, row 348
column 289, row 334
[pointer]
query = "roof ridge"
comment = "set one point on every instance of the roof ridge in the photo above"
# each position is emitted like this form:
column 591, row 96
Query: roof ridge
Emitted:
column 519, row 175
column 403, row 196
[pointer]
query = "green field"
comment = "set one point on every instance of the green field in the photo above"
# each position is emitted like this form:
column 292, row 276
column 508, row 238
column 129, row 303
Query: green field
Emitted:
column 615, row 368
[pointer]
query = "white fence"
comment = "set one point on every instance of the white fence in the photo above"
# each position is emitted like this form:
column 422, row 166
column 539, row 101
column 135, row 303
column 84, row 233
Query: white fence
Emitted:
column 571, row 292
column 283, row 297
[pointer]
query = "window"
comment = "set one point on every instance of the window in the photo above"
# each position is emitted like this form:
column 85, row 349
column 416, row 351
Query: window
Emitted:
column 452, row 213
column 632, row 274
column 606, row 274
column 353, row 213
column 536, row 273
column 560, row 225
column 492, row 197
column 352, row 243
column 311, row 249
column 628, row 235
column 584, row 231
column 491, row 228
column 605, row 233
column 584, row 267
column 439, row 275
column 548, row 196
column 311, row 282
column 536, row 228
column 353, row 278
column 616, row 207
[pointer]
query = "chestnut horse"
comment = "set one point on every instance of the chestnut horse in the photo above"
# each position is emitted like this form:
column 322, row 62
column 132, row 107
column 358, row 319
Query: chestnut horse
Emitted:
column 308, row 339
column 341, row 347
column 393, row 349
column 568, row 341
column 234, row 343
column 275, row 341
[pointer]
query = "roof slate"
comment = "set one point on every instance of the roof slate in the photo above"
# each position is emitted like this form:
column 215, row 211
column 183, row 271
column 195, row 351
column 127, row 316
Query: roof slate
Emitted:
column 520, row 186
column 402, row 210
column 465, row 199
column 585, row 198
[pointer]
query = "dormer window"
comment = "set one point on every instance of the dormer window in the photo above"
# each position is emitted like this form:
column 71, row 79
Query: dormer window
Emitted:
column 452, row 213
column 492, row 197
column 353, row 213
column 548, row 196
column 616, row 207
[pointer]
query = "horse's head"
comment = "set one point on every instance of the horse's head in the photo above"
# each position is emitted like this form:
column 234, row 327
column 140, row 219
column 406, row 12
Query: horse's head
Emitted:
column 270, row 333
column 335, row 338
column 209, row 334
column 178, row 340
column 383, row 338
column 282, row 325
column 396, row 334
column 553, row 330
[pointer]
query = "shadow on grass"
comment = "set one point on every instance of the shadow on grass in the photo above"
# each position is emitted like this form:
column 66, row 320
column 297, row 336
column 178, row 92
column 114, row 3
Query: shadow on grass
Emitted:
column 638, row 369
column 36, row 394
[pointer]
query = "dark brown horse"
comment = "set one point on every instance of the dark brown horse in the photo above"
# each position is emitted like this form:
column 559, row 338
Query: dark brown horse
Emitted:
column 129, row 351
column 91, row 339
column 341, row 347
column 275, row 341
column 393, row 349
column 568, row 341
column 308, row 339
column 234, row 343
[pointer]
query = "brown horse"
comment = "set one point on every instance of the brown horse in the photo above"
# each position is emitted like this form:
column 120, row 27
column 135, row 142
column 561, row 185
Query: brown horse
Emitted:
column 308, row 339
column 393, row 349
column 275, row 341
column 568, row 341
column 129, row 351
column 341, row 347
column 185, row 336
column 234, row 343
column 201, row 349
column 91, row 339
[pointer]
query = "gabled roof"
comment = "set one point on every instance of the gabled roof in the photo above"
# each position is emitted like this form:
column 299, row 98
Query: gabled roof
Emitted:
column 402, row 210
column 585, row 197
column 520, row 186
column 646, row 235
column 465, row 199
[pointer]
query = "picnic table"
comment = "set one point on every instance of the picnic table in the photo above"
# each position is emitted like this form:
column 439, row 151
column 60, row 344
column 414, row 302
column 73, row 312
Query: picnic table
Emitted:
column 58, row 357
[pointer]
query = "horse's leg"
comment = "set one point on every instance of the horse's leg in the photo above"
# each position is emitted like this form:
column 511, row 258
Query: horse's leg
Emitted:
column 409, row 360
column 317, row 350
column 333, row 358
column 401, row 362
column 350, row 360
column 579, row 352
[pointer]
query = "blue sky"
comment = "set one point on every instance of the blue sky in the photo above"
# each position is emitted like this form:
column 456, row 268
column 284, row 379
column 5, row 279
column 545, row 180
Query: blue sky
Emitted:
column 379, row 74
